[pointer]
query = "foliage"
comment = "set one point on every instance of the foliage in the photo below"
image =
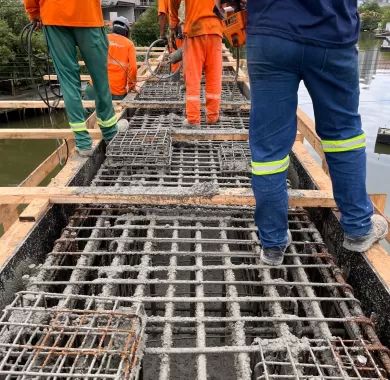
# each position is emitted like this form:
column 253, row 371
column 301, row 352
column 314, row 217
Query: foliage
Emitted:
column 385, row 16
column 370, row 20
column 146, row 29
column 370, row 6
column 7, row 44
column 13, row 56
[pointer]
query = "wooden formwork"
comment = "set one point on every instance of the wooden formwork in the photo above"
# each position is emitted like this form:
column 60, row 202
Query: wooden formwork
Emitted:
column 38, row 199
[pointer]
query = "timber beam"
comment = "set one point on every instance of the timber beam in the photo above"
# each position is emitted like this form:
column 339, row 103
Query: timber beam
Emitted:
column 178, row 134
column 157, row 197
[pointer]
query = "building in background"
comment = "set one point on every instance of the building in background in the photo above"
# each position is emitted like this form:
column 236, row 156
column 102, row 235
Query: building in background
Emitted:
column 131, row 9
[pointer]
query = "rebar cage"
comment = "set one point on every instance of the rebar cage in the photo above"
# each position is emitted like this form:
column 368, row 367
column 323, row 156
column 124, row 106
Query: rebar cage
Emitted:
column 52, row 336
column 191, row 164
column 212, row 306
column 139, row 147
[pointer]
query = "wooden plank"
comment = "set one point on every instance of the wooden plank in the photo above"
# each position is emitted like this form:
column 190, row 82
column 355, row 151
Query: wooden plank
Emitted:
column 8, row 215
column 315, row 171
column 39, row 104
column 147, row 77
column 380, row 261
column 48, row 165
column 379, row 201
column 151, row 196
column 18, row 232
column 36, row 210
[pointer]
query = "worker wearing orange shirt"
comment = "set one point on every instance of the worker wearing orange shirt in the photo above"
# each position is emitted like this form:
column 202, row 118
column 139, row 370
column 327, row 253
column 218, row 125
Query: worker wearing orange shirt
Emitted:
column 202, row 50
column 163, row 19
column 67, row 25
column 122, row 61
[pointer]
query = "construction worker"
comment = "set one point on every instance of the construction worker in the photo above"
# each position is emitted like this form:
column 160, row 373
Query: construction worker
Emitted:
column 122, row 61
column 314, row 42
column 67, row 25
column 163, row 19
column 202, row 50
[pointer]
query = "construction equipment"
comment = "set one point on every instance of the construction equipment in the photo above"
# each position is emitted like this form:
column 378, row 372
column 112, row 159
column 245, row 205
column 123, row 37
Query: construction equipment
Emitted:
column 234, row 18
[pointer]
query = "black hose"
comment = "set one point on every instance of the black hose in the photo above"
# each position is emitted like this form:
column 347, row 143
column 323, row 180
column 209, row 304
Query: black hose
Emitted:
column 26, row 44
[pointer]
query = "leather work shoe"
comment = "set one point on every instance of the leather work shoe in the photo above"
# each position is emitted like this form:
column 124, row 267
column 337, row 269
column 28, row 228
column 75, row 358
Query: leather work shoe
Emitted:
column 274, row 256
column 378, row 231
column 187, row 124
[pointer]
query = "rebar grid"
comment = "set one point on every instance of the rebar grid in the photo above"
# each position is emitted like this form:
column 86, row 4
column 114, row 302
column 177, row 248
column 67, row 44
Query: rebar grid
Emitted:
column 175, row 91
column 191, row 164
column 50, row 336
column 208, row 298
column 235, row 157
column 303, row 359
column 173, row 118
column 139, row 147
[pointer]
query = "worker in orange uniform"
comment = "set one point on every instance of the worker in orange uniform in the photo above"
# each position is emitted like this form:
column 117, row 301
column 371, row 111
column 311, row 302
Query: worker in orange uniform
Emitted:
column 163, row 19
column 122, row 61
column 202, row 50
column 67, row 25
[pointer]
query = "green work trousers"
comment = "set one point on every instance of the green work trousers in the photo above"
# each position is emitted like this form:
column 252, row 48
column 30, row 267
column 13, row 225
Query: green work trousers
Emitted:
column 93, row 46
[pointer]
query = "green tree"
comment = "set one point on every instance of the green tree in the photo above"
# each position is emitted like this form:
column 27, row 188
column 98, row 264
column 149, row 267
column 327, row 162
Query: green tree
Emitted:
column 370, row 6
column 385, row 16
column 370, row 20
column 7, row 44
column 146, row 29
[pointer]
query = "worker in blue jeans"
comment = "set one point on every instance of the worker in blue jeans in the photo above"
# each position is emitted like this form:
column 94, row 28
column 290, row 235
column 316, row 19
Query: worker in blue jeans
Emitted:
column 314, row 42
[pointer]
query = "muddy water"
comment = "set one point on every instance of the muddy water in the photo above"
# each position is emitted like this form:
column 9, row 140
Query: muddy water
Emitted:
column 18, row 158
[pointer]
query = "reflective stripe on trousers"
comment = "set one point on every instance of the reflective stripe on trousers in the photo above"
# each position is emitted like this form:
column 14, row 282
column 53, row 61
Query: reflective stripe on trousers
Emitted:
column 108, row 123
column 272, row 167
column 333, row 146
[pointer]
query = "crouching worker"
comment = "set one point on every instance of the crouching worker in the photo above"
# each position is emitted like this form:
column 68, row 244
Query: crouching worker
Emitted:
column 122, row 62
column 202, row 50
column 79, row 24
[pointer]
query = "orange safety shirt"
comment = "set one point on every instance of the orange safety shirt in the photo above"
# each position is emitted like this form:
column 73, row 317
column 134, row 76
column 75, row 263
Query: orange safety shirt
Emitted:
column 163, row 7
column 199, row 17
column 77, row 13
column 122, row 64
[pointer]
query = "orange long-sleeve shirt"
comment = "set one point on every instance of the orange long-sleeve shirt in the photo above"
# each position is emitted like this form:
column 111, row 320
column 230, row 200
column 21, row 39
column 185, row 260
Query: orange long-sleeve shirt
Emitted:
column 122, row 64
column 77, row 13
column 163, row 7
column 199, row 17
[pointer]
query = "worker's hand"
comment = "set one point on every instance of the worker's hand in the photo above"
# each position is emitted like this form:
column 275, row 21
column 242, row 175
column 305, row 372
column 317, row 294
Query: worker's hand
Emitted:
column 37, row 24
column 173, row 33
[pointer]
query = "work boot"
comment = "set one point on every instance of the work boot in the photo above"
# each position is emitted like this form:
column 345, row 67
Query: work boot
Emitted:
column 274, row 256
column 187, row 124
column 210, row 122
column 84, row 152
column 123, row 125
column 378, row 231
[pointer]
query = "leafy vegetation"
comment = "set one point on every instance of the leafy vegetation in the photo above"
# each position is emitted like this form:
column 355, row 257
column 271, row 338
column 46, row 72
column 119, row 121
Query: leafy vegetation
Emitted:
column 146, row 30
column 373, row 16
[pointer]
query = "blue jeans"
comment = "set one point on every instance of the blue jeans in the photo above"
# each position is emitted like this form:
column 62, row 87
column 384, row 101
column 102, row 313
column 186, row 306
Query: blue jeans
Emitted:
column 276, row 67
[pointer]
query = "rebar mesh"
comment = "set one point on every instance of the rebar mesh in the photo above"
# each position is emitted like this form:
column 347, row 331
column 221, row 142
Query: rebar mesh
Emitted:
column 318, row 359
column 140, row 147
column 191, row 164
column 235, row 157
column 210, row 303
column 173, row 118
column 49, row 336
column 175, row 91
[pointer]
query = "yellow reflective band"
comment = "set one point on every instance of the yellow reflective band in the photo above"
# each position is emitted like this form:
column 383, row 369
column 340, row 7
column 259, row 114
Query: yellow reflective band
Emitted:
column 347, row 145
column 78, row 127
column 272, row 167
column 107, row 124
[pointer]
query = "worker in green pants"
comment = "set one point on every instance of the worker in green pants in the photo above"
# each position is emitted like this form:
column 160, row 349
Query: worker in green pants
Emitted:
column 78, row 24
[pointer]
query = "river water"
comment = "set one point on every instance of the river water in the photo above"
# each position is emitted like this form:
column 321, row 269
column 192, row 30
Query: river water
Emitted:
column 19, row 158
